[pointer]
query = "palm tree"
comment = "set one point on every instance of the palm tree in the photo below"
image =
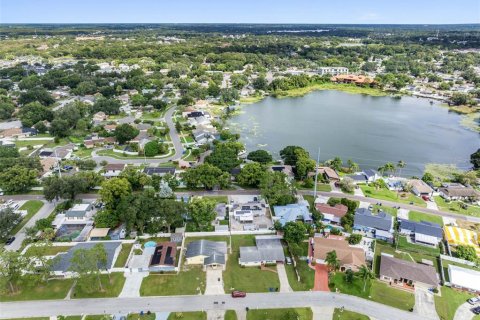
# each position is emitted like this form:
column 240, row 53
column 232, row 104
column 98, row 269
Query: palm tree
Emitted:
column 382, row 170
column 353, row 166
column 332, row 260
column 365, row 273
column 389, row 167
column 401, row 164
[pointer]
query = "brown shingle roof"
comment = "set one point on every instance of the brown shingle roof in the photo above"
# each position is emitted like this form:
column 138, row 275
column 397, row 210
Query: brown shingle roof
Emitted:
column 114, row 167
column 346, row 254
column 397, row 268
column 339, row 210
column 331, row 174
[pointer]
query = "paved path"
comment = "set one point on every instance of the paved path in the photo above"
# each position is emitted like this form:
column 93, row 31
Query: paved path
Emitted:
column 321, row 278
column 214, row 283
column 47, row 308
column 323, row 313
column 177, row 144
column 133, row 282
column 425, row 303
column 20, row 236
column 463, row 312
column 282, row 276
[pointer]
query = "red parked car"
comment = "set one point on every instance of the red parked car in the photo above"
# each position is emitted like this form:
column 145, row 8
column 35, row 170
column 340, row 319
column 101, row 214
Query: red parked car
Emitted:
column 425, row 198
column 238, row 294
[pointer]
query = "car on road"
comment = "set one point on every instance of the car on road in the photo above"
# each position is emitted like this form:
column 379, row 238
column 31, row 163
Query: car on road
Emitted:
column 10, row 241
column 474, row 300
column 476, row 310
column 238, row 294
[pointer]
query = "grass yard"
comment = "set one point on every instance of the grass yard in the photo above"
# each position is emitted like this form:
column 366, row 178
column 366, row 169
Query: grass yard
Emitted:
column 455, row 206
column 32, row 207
column 187, row 282
column 274, row 314
column 51, row 251
column 111, row 288
column 337, row 283
column 307, row 276
column 348, row 315
column 197, row 315
column 420, row 216
column 385, row 194
column 98, row 317
column 53, row 289
column 391, row 211
column 36, row 318
column 69, row 318
column 123, row 255
column 446, row 263
column 249, row 279
column 383, row 293
column 26, row 143
column 447, row 304
column 230, row 315
column 218, row 199
column 404, row 245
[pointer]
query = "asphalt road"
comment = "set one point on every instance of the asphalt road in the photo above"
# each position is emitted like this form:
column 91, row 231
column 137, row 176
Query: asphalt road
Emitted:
column 20, row 236
column 302, row 192
column 201, row 302
column 177, row 144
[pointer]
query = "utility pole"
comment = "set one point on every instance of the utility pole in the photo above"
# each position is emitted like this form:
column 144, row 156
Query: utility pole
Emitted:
column 316, row 176
column 58, row 163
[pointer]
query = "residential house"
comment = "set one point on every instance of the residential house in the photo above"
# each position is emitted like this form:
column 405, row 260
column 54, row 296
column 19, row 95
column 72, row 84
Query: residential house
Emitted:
column 62, row 265
column 160, row 171
column 407, row 274
column 350, row 78
column 421, row 232
column 268, row 250
column 458, row 192
column 113, row 170
column 359, row 178
column 110, row 127
column 464, row 279
column 351, row 258
column 329, row 174
column 372, row 175
column 332, row 214
column 164, row 257
column 292, row 212
column 48, row 164
column 286, row 169
column 221, row 211
column 379, row 226
column 420, row 188
column 78, row 212
column 207, row 253
column 99, row 117
column 246, row 211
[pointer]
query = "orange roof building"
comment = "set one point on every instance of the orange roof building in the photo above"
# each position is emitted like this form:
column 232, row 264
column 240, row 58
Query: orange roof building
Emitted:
column 351, row 78
column 350, row 257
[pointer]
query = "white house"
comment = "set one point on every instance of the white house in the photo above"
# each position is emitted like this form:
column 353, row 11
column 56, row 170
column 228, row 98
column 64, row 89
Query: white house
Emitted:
column 464, row 279
column 420, row 188
column 78, row 212
column 421, row 232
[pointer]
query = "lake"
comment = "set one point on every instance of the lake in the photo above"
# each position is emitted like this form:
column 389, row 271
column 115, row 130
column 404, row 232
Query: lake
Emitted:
column 369, row 130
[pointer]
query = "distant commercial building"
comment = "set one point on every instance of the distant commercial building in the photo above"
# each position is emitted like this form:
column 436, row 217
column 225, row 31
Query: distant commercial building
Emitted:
column 333, row 71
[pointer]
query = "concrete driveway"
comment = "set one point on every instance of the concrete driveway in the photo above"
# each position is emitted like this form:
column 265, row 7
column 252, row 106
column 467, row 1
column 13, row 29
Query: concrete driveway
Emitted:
column 464, row 313
column 432, row 205
column 133, row 282
column 282, row 276
column 424, row 303
column 214, row 286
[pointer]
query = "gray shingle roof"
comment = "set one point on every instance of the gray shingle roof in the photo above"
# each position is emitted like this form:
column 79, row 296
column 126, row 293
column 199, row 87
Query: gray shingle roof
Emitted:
column 267, row 249
column 381, row 221
column 206, row 248
column 397, row 268
column 63, row 263
column 423, row 227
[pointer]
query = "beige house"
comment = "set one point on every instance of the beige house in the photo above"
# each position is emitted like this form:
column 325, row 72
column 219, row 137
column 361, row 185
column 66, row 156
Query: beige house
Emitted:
column 351, row 258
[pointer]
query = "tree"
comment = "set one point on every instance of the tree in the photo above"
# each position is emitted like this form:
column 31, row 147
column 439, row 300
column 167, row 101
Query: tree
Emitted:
column 354, row 238
column 109, row 106
column 427, row 177
column 59, row 128
column 137, row 179
column 113, row 190
column 260, row 83
column 349, row 275
column 336, row 163
column 475, row 159
column 151, row 149
column 294, row 232
column 17, row 179
column 467, row 253
column 353, row 166
column 168, row 213
column 202, row 212
column 276, row 189
column 9, row 152
column 347, row 185
column 36, row 94
column 6, row 109
column 261, row 156
column 459, row 99
column 467, row 178
column 365, row 273
column 12, row 267
column 38, row 252
column 125, row 132
column 332, row 261
column 225, row 156
column 165, row 191
column 289, row 155
column 251, row 174
column 85, row 265
column 303, row 166
column 8, row 220
column 207, row 176
column 67, row 187
column 34, row 112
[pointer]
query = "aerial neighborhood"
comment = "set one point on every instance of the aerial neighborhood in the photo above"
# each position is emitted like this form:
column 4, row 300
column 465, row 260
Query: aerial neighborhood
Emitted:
column 124, row 174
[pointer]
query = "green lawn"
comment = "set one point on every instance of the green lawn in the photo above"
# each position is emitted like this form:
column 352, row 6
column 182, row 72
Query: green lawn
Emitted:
column 32, row 207
column 53, row 289
column 218, row 199
column 275, row 314
column 446, row 263
column 375, row 290
column 389, row 210
column 385, row 194
column 404, row 245
column 98, row 317
column 26, row 143
column 123, row 255
column 187, row 282
column 230, row 315
column 307, row 275
column 348, row 315
column 112, row 287
column 420, row 216
column 447, row 304
column 198, row 315
column 36, row 318
column 69, row 318
column 51, row 251
column 455, row 206
column 250, row 279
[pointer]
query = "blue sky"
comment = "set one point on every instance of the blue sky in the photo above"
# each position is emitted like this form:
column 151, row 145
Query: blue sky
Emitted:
column 241, row 11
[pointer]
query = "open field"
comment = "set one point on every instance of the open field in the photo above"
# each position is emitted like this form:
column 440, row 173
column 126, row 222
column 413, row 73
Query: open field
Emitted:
column 275, row 314
column 187, row 282
column 112, row 287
